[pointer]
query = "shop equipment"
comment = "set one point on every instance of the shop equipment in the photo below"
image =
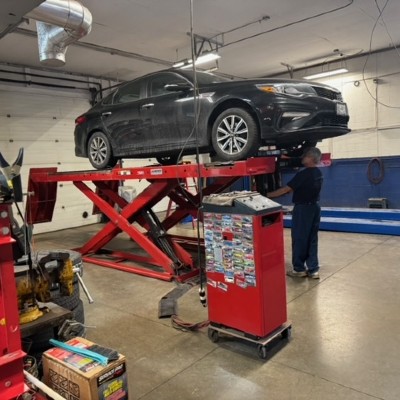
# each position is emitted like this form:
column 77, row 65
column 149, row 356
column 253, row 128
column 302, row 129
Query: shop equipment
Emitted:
column 246, row 283
column 167, row 252
column 12, row 384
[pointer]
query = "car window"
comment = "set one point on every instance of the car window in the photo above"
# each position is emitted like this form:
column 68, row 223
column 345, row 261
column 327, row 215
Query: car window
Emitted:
column 128, row 92
column 156, row 83
column 205, row 78
column 108, row 99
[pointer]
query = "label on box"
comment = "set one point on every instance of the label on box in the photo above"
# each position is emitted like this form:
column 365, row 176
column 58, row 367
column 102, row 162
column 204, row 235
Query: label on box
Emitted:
column 84, row 364
column 113, row 385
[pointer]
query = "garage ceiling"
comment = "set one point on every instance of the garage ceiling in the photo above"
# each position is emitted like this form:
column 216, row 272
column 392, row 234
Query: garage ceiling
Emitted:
column 152, row 34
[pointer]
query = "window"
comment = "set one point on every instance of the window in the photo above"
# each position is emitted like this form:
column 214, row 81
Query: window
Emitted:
column 204, row 78
column 157, row 83
column 128, row 92
column 108, row 100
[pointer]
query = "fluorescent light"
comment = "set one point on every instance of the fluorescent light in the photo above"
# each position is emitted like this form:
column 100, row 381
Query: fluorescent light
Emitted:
column 178, row 64
column 327, row 73
column 203, row 59
column 188, row 65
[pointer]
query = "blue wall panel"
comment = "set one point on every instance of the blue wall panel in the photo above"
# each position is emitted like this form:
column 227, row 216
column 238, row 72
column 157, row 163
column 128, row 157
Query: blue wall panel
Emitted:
column 346, row 183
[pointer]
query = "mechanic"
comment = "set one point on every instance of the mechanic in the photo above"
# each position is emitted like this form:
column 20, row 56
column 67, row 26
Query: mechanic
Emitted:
column 306, row 186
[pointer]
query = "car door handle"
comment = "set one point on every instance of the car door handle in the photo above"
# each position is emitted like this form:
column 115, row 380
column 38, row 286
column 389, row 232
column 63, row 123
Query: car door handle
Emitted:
column 106, row 114
column 148, row 105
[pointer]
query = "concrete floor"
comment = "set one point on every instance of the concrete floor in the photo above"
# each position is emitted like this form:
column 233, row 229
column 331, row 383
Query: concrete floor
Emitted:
column 345, row 341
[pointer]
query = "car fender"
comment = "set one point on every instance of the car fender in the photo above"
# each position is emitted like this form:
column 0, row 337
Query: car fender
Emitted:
column 231, row 101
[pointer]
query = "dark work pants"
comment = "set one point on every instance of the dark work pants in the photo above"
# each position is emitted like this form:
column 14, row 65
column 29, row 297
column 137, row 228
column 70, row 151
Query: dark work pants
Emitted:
column 305, row 225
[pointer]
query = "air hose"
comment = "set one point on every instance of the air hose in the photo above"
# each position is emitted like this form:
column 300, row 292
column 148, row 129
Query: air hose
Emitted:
column 376, row 179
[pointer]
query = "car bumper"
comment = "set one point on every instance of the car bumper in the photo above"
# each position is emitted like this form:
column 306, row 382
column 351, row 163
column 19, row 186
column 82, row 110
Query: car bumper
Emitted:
column 80, row 142
column 297, row 121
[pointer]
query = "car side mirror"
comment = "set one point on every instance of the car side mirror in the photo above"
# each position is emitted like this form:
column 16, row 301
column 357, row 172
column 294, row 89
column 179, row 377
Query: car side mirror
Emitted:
column 178, row 87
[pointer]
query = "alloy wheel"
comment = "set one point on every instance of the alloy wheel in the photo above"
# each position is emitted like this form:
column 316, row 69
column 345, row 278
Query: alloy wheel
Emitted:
column 232, row 134
column 98, row 150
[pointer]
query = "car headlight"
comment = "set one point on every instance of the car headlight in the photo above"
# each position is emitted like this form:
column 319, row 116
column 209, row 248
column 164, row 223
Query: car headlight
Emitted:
column 292, row 89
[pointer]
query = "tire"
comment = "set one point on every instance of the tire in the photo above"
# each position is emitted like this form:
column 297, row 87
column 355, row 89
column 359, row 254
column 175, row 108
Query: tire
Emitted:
column 79, row 312
column 235, row 135
column 100, row 152
column 68, row 302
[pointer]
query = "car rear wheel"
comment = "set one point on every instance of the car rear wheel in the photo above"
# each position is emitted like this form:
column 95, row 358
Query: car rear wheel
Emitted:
column 235, row 135
column 100, row 152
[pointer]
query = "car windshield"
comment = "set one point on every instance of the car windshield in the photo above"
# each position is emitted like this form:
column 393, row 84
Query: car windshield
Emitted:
column 204, row 78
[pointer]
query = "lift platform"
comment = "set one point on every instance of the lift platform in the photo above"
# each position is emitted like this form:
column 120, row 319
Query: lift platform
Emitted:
column 166, row 258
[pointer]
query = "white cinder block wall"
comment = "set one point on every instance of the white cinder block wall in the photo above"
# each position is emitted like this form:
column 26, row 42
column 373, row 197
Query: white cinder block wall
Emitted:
column 373, row 99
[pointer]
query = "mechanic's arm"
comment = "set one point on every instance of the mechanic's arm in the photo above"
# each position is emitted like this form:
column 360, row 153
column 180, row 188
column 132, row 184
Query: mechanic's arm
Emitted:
column 279, row 192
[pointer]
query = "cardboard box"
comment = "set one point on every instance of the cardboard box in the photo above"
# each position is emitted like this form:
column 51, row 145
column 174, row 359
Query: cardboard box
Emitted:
column 80, row 378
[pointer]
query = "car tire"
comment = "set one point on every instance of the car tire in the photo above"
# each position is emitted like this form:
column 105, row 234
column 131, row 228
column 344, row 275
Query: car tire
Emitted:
column 100, row 152
column 235, row 135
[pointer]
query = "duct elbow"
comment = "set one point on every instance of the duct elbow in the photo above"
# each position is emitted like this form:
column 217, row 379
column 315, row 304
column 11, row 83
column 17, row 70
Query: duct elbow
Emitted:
column 60, row 23
column 51, row 52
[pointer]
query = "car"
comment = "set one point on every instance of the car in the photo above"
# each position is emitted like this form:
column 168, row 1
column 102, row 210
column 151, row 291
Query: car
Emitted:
column 153, row 116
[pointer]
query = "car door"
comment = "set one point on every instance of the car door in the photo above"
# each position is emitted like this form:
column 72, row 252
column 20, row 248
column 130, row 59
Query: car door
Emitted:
column 122, row 119
column 170, row 113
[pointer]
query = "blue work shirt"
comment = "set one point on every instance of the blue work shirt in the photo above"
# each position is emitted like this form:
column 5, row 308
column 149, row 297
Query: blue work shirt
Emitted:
column 306, row 186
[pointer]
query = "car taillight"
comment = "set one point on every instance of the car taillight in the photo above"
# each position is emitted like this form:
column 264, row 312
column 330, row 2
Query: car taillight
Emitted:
column 80, row 120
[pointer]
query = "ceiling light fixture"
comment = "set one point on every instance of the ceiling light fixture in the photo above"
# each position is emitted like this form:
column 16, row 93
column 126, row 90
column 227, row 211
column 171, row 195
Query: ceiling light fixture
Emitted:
column 178, row 64
column 327, row 73
column 207, row 57
column 204, row 58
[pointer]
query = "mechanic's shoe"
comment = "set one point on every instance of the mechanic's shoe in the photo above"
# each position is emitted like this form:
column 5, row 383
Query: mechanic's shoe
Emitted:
column 296, row 274
column 314, row 275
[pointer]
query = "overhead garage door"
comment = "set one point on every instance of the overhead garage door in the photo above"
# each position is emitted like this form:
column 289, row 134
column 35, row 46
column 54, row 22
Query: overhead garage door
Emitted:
column 42, row 122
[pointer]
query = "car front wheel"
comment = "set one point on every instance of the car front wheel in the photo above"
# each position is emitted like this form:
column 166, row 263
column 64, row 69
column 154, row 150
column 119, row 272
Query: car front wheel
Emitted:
column 235, row 135
column 100, row 152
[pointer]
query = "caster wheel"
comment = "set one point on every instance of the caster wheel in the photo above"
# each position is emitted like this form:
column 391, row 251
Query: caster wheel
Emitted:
column 287, row 333
column 213, row 335
column 262, row 352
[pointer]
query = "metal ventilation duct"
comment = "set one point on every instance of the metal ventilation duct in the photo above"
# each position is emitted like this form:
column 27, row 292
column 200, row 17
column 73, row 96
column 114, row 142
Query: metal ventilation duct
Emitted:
column 59, row 23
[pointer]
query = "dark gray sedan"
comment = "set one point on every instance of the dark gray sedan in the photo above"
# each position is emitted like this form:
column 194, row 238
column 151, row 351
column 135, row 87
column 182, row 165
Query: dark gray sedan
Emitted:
column 153, row 116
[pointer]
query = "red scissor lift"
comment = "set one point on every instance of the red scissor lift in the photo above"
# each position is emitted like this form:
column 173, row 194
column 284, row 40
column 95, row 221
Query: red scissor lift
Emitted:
column 167, row 252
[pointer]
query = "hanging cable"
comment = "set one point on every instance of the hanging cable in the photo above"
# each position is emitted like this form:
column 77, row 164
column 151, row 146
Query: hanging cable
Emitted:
column 380, row 17
column 289, row 24
column 196, row 133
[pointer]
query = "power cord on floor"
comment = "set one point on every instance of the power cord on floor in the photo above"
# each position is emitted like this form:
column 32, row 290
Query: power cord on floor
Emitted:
column 181, row 325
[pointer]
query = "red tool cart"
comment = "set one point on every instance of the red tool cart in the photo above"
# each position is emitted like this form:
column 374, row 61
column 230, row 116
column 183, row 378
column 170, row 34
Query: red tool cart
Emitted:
column 243, row 235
